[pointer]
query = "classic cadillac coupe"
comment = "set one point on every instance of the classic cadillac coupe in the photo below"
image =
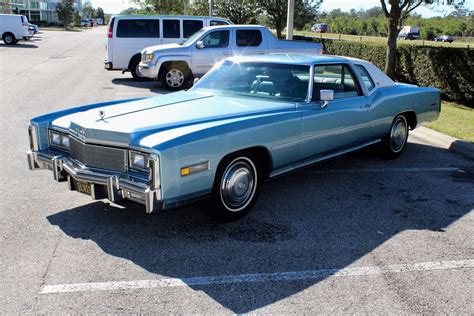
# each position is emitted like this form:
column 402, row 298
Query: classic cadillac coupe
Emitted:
column 249, row 119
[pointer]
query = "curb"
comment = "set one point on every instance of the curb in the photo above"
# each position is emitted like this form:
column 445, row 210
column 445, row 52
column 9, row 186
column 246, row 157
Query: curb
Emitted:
column 445, row 141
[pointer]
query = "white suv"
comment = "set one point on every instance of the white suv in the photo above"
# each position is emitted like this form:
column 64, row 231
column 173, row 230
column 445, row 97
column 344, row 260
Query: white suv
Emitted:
column 129, row 34
column 13, row 28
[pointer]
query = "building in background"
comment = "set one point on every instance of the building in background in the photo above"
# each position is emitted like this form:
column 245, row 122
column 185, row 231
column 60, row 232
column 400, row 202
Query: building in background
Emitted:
column 37, row 11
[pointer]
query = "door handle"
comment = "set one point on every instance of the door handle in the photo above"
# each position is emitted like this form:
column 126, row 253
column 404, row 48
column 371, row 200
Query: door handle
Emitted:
column 261, row 53
column 225, row 53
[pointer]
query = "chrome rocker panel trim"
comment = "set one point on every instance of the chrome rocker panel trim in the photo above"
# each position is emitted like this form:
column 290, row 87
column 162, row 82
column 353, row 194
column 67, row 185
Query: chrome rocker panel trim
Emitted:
column 117, row 188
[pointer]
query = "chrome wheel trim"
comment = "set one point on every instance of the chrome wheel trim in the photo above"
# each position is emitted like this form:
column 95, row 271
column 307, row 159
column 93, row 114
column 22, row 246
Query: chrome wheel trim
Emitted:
column 9, row 39
column 238, row 184
column 137, row 71
column 398, row 134
column 174, row 78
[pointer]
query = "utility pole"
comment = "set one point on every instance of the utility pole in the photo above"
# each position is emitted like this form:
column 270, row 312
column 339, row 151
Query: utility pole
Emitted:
column 290, row 18
column 211, row 5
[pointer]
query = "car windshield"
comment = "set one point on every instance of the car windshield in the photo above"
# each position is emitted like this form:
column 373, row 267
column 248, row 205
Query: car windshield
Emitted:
column 191, row 39
column 273, row 81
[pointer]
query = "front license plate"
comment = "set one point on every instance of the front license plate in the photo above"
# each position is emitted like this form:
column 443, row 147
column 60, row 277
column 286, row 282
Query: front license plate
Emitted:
column 83, row 187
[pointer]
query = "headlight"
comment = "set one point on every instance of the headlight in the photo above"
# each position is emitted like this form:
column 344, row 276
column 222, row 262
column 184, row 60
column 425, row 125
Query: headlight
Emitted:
column 138, row 160
column 148, row 57
column 58, row 139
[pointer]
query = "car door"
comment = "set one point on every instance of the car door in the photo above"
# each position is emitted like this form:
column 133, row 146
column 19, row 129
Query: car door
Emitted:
column 211, row 49
column 345, row 121
column 249, row 42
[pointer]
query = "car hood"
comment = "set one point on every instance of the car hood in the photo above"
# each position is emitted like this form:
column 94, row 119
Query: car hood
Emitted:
column 125, row 124
column 162, row 48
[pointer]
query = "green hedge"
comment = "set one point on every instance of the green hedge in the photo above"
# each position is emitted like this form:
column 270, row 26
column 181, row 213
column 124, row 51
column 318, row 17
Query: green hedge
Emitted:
column 449, row 69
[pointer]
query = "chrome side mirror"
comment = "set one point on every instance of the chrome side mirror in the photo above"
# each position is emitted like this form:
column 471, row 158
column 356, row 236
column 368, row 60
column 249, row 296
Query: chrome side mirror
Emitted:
column 326, row 96
column 196, row 80
column 199, row 45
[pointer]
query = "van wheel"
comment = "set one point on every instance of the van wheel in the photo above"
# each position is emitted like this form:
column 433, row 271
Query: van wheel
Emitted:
column 175, row 77
column 9, row 38
column 396, row 140
column 236, row 187
column 135, row 71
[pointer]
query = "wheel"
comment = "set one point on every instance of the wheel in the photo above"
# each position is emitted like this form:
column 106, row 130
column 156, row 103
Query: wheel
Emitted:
column 236, row 187
column 9, row 38
column 135, row 71
column 175, row 77
column 396, row 140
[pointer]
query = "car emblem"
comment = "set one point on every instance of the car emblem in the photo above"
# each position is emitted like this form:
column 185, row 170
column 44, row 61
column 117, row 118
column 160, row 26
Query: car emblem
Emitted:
column 101, row 114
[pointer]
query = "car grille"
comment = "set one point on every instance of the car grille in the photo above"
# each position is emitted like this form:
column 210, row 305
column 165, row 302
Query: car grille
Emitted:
column 99, row 156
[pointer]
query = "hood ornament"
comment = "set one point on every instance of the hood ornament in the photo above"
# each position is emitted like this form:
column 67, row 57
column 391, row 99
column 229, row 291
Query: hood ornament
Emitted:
column 101, row 114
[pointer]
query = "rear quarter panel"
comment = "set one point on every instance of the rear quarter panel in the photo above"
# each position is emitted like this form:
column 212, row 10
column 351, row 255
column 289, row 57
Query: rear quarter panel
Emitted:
column 388, row 102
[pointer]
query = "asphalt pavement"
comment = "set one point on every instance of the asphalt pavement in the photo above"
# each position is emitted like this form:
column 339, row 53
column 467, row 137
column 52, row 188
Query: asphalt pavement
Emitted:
column 355, row 235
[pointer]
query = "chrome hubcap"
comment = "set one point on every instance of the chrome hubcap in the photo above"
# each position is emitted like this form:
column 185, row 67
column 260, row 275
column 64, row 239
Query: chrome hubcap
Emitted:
column 398, row 134
column 8, row 39
column 238, row 184
column 137, row 71
column 175, row 78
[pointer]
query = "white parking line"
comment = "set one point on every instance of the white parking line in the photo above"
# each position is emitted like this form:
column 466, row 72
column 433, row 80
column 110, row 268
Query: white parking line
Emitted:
column 135, row 93
column 361, row 170
column 257, row 277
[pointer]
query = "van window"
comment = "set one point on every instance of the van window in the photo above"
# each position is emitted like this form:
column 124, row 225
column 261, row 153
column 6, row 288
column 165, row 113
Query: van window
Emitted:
column 138, row 28
column 190, row 27
column 171, row 29
column 249, row 37
column 217, row 22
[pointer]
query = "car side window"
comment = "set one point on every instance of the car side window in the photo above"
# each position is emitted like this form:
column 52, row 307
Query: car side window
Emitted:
column 171, row 29
column 248, row 37
column 338, row 78
column 216, row 39
column 145, row 28
column 366, row 79
column 190, row 27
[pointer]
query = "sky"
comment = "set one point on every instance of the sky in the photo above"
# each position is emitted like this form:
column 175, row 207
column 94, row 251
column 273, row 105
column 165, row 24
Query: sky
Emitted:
column 115, row 6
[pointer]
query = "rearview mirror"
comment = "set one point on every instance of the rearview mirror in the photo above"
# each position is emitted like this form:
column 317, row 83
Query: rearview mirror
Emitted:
column 326, row 96
column 199, row 45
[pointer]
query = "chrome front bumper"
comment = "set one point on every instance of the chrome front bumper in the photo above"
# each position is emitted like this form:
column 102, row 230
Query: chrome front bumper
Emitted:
column 103, row 184
column 148, row 70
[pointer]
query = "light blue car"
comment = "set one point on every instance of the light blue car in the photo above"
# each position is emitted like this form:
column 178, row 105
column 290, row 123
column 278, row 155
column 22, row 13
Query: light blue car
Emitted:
column 249, row 119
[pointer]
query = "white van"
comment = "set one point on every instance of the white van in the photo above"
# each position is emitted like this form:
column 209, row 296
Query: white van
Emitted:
column 13, row 27
column 129, row 34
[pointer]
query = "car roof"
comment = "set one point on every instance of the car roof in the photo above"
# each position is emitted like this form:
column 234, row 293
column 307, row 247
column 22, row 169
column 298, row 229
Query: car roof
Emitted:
column 131, row 16
column 303, row 59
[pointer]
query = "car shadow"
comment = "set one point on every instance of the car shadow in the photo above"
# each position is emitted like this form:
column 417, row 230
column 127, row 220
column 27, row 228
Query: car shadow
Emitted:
column 306, row 221
column 152, row 86
column 19, row 45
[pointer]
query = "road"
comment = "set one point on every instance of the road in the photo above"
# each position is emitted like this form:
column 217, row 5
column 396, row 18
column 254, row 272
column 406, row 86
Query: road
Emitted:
column 357, row 234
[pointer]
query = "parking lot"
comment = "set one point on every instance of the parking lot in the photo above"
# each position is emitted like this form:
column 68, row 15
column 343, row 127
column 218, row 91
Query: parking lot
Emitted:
column 357, row 234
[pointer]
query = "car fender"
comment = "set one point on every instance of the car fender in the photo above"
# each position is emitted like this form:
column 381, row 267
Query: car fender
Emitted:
column 178, row 57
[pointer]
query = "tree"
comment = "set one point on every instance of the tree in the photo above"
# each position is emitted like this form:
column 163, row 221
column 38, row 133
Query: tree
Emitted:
column 100, row 13
column 89, row 11
column 396, row 11
column 305, row 11
column 65, row 9
column 239, row 12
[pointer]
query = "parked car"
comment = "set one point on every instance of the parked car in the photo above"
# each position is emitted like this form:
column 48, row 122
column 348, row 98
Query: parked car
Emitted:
column 99, row 21
column 409, row 36
column 320, row 28
column 176, row 65
column 33, row 29
column 249, row 119
column 13, row 27
column 129, row 34
column 85, row 22
column 92, row 22
column 444, row 39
